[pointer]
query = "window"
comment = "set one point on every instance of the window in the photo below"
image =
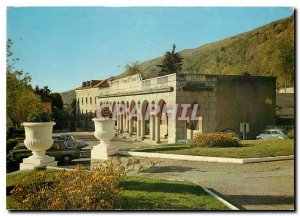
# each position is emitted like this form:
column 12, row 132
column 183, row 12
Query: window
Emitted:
column 274, row 132
column 268, row 132
column 86, row 101
column 90, row 100
column 95, row 100
column 82, row 101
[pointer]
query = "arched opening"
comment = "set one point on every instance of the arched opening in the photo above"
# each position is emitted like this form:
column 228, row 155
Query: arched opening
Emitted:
column 145, row 121
column 99, row 109
column 113, row 107
column 194, row 120
column 132, row 118
column 122, row 116
column 161, row 123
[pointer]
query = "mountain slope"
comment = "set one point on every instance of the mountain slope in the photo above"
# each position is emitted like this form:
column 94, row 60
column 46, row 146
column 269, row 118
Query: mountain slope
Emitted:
column 265, row 51
column 68, row 96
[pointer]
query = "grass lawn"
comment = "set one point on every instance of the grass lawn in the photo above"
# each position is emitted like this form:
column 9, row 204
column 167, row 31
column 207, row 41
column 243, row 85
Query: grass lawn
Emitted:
column 146, row 194
column 249, row 149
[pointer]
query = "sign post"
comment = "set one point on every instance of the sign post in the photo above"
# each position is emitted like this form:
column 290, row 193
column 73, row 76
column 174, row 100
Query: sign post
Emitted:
column 244, row 128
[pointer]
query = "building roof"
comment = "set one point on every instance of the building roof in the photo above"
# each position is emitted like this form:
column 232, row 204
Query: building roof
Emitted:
column 93, row 84
column 45, row 98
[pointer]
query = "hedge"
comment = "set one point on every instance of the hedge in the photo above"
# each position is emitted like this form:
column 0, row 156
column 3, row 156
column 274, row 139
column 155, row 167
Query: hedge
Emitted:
column 210, row 140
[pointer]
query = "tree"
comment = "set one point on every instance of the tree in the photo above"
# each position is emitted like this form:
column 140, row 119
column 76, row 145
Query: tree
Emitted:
column 57, row 101
column 10, row 61
column 47, row 95
column 21, row 101
column 172, row 62
column 285, row 57
column 28, row 105
column 132, row 68
column 44, row 92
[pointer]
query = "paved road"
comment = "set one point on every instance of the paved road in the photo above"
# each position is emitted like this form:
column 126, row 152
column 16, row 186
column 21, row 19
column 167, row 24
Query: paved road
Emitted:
column 259, row 186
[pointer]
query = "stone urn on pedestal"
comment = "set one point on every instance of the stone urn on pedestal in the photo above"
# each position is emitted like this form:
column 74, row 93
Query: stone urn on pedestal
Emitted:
column 38, row 138
column 104, row 131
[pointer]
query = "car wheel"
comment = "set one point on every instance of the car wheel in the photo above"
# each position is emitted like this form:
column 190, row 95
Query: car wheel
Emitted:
column 67, row 159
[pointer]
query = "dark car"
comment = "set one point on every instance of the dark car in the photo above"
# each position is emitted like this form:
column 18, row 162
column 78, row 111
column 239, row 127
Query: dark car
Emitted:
column 60, row 150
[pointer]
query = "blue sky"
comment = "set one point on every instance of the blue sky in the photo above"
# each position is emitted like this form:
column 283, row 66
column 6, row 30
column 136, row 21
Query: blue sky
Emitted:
column 63, row 46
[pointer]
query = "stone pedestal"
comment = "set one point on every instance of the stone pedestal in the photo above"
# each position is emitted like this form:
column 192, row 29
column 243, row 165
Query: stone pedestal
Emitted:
column 104, row 131
column 38, row 139
column 101, row 152
column 33, row 161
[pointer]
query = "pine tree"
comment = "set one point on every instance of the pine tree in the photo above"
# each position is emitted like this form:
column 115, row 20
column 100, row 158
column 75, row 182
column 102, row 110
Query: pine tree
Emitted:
column 172, row 62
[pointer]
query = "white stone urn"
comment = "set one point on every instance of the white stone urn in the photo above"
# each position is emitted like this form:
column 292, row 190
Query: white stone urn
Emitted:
column 104, row 131
column 38, row 138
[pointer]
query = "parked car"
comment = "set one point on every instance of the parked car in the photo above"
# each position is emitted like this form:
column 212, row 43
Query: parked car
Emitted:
column 80, row 143
column 273, row 134
column 69, row 139
column 60, row 150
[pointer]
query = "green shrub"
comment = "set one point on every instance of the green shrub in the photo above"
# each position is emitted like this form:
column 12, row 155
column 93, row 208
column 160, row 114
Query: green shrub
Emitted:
column 210, row 140
column 39, row 117
column 291, row 134
column 10, row 144
column 106, row 113
column 80, row 189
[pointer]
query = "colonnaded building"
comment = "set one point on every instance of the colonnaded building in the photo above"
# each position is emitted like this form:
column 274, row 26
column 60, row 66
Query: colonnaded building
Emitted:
column 224, row 102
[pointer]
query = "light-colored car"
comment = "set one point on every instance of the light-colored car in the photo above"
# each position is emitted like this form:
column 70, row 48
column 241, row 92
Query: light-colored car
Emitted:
column 273, row 134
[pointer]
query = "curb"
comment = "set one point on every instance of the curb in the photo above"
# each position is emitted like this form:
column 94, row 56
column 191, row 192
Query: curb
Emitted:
column 205, row 158
column 228, row 204
column 217, row 197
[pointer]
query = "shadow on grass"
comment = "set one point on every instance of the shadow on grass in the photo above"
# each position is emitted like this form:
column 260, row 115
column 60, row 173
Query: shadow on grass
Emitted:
column 163, row 187
column 246, row 145
column 165, row 169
